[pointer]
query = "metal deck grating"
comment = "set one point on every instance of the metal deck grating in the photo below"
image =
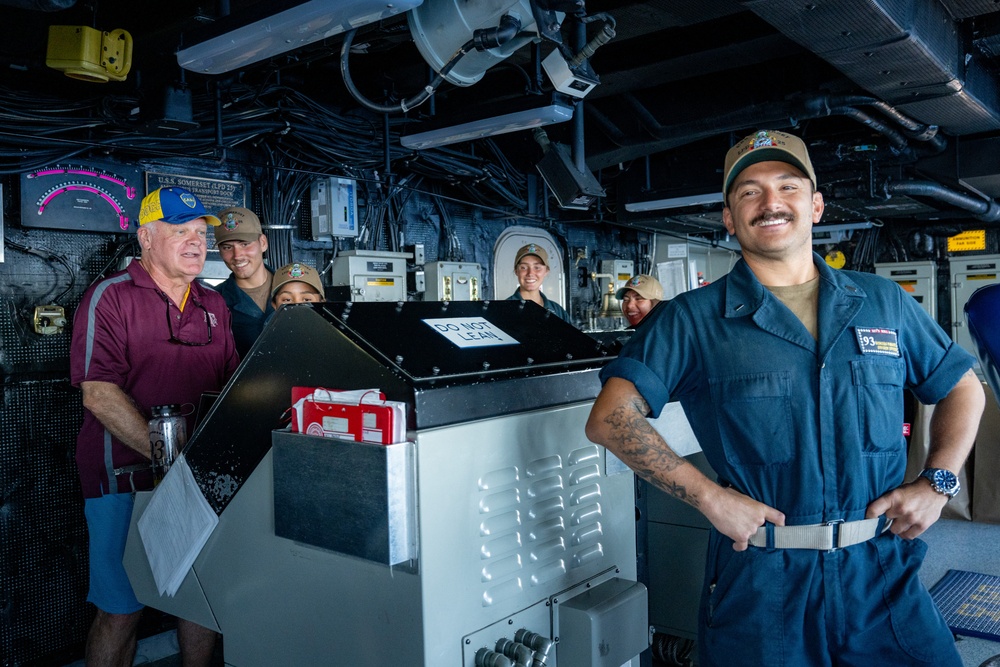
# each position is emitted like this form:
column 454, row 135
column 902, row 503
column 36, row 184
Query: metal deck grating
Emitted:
column 970, row 603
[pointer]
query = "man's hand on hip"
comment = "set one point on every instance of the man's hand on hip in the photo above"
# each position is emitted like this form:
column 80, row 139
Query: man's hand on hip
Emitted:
column 913, row 508
column 739, row 516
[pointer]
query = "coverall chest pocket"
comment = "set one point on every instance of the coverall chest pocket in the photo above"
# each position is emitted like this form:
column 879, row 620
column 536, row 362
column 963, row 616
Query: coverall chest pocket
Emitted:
column 755, row 417
column 878, row 384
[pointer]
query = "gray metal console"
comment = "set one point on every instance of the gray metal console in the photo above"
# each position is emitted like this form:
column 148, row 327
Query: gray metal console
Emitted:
column 496, row 526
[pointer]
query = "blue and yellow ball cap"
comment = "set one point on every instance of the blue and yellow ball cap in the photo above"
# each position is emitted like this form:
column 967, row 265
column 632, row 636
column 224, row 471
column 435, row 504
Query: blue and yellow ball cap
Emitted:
column 175, row 206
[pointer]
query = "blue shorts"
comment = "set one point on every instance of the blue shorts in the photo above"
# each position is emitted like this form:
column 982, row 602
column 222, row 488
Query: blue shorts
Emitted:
column 108, row 519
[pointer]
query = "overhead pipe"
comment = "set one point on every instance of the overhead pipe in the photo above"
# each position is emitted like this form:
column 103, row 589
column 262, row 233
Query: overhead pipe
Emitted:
column 579, row 153
column 987, row 210
column 836, row 104
column 913, row 128
column 782, row 115
column 220, row 146
column 609, row 128
column 895, row 138
column 772, row 115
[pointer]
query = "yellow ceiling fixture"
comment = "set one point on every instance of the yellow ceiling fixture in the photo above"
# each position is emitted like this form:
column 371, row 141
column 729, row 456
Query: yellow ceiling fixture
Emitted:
column 88, row 54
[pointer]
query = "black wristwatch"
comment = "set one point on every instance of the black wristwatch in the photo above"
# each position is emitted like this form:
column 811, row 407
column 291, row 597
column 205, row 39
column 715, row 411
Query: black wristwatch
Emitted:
column 943, row 481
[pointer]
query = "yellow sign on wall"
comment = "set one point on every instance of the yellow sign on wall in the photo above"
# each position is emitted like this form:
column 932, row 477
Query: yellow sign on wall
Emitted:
column 974, row 239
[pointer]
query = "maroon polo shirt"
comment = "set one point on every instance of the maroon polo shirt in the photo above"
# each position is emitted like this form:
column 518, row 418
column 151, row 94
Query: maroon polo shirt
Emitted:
column 121, row 336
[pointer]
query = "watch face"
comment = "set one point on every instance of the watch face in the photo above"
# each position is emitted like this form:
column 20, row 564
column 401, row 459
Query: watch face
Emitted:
column 944, row 481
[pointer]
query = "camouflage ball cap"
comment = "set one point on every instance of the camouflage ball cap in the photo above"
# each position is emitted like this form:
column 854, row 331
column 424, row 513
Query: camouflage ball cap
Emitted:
column 765, row 146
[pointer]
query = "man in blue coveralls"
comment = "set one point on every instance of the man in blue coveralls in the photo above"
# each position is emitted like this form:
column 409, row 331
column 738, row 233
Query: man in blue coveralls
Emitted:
column 792, row 376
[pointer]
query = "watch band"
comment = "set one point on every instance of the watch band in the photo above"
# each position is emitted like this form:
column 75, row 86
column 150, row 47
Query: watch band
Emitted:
column 942, row 481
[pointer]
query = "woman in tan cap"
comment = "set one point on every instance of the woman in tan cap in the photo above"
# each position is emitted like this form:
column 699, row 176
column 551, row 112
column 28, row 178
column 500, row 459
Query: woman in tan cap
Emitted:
column 296, row 283
column 531, row 265
column 638, row 296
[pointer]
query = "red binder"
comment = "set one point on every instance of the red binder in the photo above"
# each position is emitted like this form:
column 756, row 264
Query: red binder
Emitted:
column 358, row 416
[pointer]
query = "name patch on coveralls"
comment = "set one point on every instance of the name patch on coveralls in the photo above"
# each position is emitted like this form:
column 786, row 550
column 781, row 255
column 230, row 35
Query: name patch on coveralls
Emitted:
column 877, row 341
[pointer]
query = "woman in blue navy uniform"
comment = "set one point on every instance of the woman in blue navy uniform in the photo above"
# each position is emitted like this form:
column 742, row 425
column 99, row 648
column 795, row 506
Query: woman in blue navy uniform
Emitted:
column 531, row 265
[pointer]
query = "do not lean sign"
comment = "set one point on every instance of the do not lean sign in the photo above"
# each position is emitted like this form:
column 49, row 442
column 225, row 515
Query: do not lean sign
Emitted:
column 470, row 331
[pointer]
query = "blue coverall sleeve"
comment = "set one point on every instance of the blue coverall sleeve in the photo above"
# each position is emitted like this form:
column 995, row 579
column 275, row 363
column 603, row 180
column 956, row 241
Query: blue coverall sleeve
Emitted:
column 658, row 356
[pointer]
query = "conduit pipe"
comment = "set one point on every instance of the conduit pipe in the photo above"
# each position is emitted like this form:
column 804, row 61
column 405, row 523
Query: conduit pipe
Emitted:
column 488, row 658
column 781, row 115
column 987, row 210
column 537, row 643
column 519, row 653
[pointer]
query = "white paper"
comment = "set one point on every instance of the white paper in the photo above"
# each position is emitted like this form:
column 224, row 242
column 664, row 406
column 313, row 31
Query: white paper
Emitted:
column 677, row 250
column 350, row 396
column 671, row 276
column 175, row 526
column 673, row 425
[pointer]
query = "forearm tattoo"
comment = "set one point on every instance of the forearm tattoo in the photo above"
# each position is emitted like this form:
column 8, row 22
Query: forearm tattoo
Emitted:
column 636, row 442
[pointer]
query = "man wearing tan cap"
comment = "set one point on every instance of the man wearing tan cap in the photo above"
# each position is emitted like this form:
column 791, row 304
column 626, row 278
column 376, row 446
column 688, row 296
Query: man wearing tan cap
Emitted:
column 792, row 376
column 531, row 265
column 247, row 291
column 638, row 296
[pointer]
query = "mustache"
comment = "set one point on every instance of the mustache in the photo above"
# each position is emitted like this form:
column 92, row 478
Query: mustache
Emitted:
column 771, row 217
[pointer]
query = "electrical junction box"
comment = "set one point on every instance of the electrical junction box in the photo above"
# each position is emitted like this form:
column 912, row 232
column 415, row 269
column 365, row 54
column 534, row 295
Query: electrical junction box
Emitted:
column 619, row 269
column 918, row 279
column 334, row 206
column 50, row 319
column 368, row 275
column 453, row 281
column 88, row 54
column 968, row 274
column 603, row 626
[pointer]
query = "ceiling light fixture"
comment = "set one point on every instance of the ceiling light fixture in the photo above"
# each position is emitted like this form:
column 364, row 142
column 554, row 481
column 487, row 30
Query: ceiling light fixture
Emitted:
column 674, row 202
column 524, row 119
column 287, row 30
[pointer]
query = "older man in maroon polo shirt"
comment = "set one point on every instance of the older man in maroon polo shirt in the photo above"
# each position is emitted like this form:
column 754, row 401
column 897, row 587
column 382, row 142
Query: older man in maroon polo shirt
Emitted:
column 149, row 335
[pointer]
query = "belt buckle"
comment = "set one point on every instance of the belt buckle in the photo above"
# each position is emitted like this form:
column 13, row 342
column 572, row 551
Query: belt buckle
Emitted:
column 834, row 534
